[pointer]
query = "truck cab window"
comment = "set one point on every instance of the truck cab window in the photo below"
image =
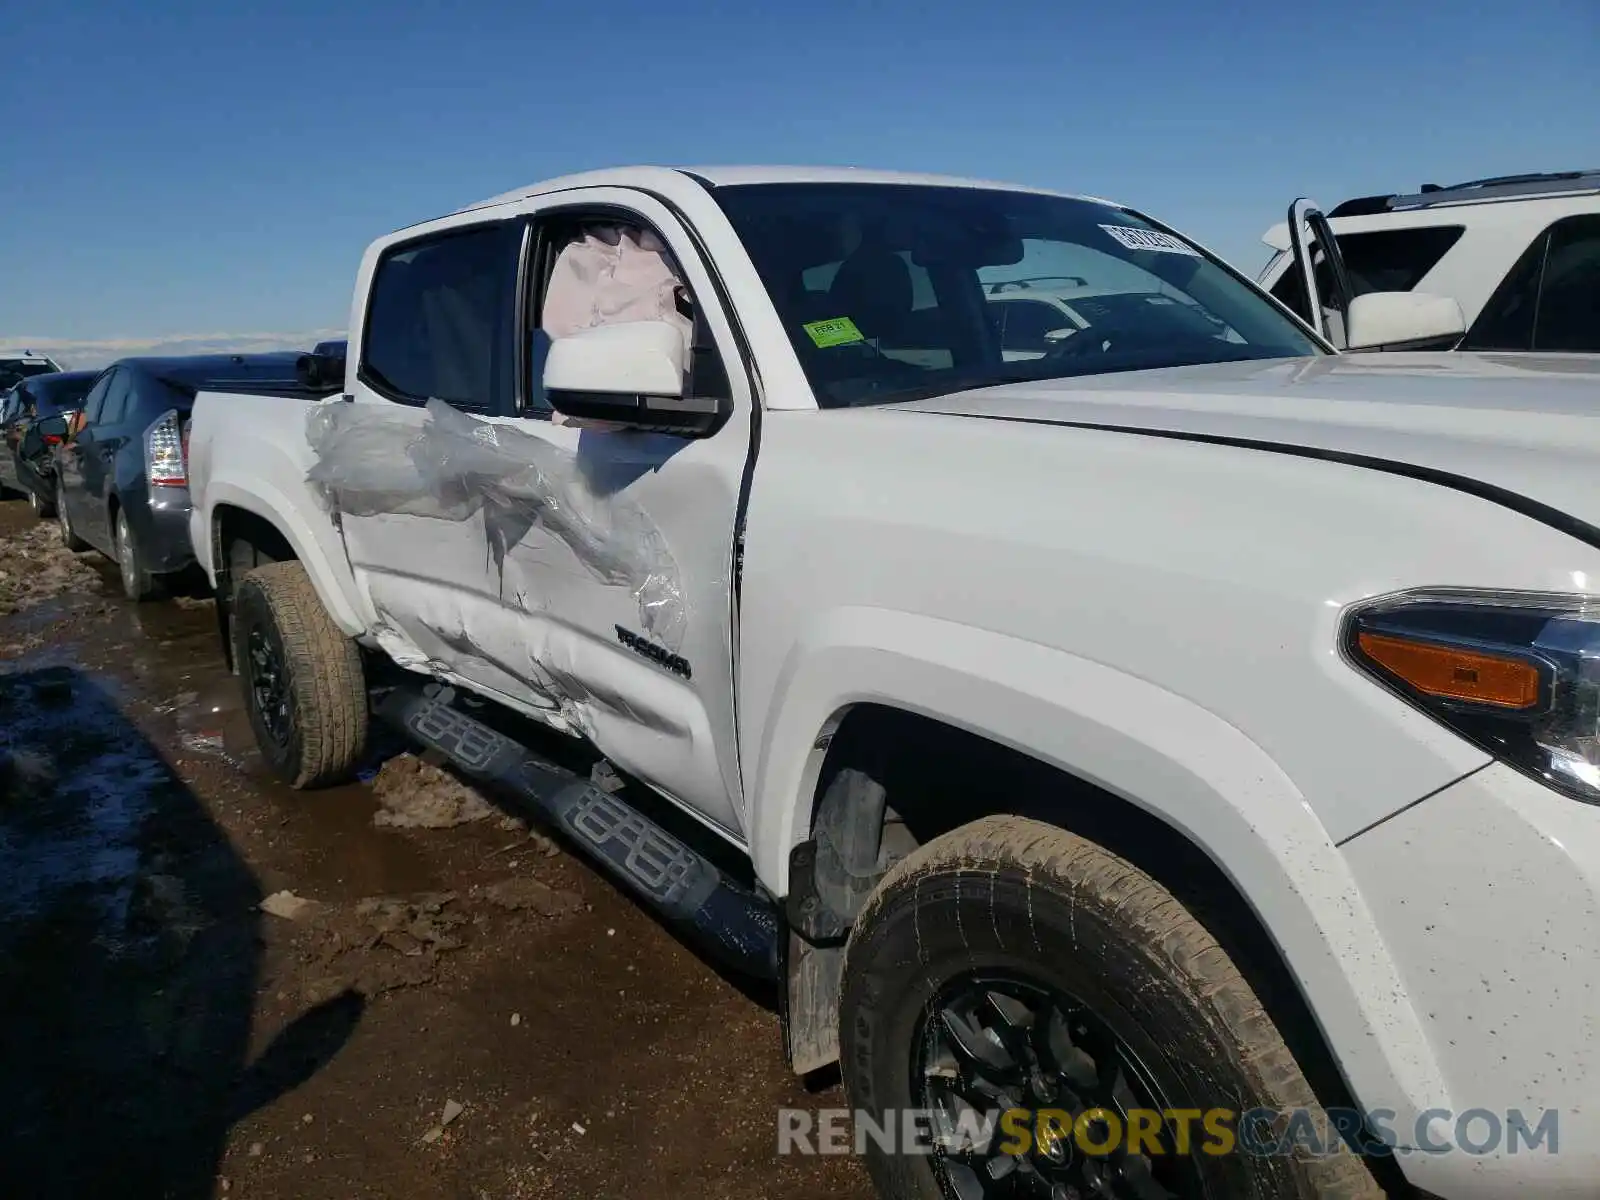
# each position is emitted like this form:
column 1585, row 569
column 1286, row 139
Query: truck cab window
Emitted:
column 440, row 320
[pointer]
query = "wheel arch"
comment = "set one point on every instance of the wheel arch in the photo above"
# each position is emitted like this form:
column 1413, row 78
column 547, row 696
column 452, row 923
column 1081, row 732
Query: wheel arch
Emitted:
column 310, row 538
column 1085, row 747
column 244, row 519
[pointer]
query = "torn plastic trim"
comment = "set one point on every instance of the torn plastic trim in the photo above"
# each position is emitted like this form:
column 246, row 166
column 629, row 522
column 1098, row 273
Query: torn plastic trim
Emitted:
column 371, row 461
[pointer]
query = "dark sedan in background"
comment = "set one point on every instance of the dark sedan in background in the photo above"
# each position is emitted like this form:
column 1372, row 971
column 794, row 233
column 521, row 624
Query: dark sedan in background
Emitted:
column 122, row 475
column 26, row 463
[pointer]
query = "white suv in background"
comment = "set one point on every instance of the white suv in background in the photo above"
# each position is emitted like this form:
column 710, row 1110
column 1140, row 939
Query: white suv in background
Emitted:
column 1519, row 254
column 15, row 367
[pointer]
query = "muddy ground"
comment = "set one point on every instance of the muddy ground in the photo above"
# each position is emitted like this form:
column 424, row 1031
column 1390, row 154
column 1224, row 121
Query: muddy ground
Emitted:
column 213, row 986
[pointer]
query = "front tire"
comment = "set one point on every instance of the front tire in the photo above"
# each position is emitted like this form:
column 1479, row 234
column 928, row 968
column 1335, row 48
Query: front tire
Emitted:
column 1013, row 965
column 43, row 507
column 303, row 682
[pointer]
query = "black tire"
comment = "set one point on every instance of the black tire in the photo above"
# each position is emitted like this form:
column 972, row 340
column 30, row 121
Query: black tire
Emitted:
column 138, row 582
column 1008, row 898
column 43, row 506
column 69, row 539
column 316, row 731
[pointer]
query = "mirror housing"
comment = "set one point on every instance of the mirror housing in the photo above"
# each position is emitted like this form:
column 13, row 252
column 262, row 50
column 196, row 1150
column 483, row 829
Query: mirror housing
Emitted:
column 630, row 374
column 1403, row 320
column 53, row 430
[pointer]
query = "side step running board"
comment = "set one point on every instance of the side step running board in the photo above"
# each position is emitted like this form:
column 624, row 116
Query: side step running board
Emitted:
column 737, row 926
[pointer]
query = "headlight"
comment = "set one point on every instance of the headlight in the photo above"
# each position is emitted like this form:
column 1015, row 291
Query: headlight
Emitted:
column 1516, row 673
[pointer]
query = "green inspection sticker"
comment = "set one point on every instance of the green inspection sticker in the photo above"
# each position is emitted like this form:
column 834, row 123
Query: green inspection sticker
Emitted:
column 837, row 331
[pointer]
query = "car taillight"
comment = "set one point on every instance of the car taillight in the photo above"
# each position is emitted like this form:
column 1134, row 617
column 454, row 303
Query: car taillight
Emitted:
column 166, row 452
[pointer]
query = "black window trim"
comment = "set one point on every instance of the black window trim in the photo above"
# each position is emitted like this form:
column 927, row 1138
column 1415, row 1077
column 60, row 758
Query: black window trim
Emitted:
column 431, row 237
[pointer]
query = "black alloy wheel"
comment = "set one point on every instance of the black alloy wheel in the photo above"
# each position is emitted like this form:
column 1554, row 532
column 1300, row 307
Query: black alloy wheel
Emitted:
column 997, row 1042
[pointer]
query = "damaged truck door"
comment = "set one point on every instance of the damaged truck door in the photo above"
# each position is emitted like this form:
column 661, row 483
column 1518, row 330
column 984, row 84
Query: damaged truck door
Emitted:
column 568, row 550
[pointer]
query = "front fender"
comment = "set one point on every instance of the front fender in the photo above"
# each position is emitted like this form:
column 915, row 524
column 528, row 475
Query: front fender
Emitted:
column 1161, row 752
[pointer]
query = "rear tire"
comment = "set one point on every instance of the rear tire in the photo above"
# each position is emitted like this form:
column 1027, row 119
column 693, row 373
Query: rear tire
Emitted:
column 138, row 583
column 43, row 507
column 303, row 683
column 1011, row 957
column 69, row 539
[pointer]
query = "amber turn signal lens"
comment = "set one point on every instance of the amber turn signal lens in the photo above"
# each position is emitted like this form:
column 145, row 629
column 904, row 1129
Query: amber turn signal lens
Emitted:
column 1452, row 673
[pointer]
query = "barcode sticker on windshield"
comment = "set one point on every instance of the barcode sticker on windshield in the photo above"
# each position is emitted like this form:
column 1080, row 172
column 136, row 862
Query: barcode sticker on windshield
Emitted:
column 1149, row 239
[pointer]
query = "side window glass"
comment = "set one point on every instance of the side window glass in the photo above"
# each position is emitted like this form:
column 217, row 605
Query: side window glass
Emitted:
column 611, row 270
column 97, row 398
column 1506, row 322
column 117, row 397
column 440, row 319
column 1391, row 260
column 1388, row 260
column 1569, row 292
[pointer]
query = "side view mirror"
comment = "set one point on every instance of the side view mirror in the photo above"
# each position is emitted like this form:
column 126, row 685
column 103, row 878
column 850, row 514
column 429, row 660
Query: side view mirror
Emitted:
column 1403, row 320
column 52, row 429
column 630, row 374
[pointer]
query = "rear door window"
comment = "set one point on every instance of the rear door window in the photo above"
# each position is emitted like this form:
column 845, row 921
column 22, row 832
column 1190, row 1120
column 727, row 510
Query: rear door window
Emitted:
column 1550, row 299
column 441, row 320
column 115, row 405
column 1569, row 289
column 97, row 397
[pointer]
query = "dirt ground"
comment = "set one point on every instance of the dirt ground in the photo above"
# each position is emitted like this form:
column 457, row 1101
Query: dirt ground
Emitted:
column 213, row 986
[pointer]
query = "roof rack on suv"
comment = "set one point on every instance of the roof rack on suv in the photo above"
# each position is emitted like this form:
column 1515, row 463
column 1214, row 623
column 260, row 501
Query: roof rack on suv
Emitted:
column 1498, row 187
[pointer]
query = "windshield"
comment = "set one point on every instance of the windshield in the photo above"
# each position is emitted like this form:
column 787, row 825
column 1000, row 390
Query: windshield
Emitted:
column 895, row 292
column 14, row 370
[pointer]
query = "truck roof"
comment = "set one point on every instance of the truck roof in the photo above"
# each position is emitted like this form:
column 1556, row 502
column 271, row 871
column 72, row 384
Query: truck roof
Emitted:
column 729, row 176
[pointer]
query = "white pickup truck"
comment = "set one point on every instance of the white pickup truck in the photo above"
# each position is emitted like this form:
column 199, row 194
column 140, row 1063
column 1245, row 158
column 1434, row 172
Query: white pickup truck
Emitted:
column 1173, row 746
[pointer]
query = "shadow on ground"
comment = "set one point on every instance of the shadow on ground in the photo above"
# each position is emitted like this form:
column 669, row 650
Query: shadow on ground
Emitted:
column 130, row 944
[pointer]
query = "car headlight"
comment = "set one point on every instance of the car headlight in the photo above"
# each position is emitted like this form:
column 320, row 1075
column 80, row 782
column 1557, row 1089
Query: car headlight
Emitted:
column 1515, row 673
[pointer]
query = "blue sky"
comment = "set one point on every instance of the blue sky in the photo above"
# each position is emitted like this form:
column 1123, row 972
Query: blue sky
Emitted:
column 195, row 172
